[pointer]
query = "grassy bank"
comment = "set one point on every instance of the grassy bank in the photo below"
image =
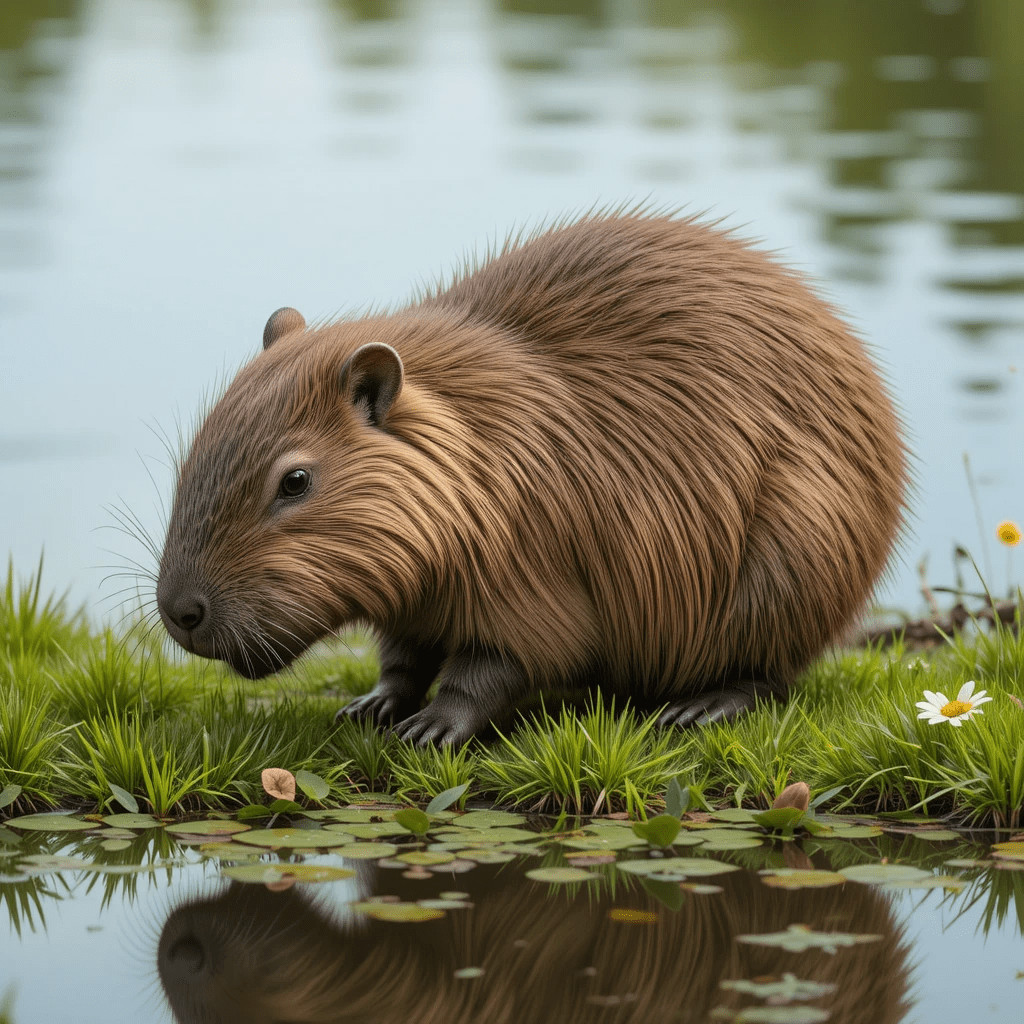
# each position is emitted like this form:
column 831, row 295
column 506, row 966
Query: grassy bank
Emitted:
column 82, row 710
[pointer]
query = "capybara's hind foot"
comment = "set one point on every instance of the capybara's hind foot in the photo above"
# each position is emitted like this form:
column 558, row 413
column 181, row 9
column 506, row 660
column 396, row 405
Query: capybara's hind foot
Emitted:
column 721, row 704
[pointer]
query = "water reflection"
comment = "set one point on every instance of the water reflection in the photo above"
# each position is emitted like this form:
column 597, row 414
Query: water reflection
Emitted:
column 251, row 955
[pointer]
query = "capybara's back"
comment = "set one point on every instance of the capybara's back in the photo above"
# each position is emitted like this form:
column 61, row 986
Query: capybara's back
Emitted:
column 633, row 451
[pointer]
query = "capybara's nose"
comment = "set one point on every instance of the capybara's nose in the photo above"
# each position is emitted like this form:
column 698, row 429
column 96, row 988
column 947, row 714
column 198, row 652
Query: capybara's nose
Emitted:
column 183, row 606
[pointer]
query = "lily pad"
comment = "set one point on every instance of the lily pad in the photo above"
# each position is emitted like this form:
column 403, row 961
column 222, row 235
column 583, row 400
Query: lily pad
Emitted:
column 791, row 878
column 772, row 1015
column 884, row 874
column 131, row 821
column 293, row 838
column 113, row 845
column 687, row 867
column 789, row 988
column 405, row 913
column 1010, row 850
column 488, row 819
column 487, row 856
column 425, row 859
column 935, row 835
column 50, row 823
column 624, row 841
column 738, row 814
column 366, row 851
column 369, row 830
column 560, row 876
column 851, row 832
column 737, row 842
column 498, row 835
column 206, row 827
column 798, row 938
column 270, row 873
column 467, row 973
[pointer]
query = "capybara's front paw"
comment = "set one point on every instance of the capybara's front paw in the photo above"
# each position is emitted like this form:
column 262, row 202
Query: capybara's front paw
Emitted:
column 382, row 706
column 442, row 722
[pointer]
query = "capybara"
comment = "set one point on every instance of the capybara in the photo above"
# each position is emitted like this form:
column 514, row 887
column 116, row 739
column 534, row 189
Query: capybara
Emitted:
column 630, row 452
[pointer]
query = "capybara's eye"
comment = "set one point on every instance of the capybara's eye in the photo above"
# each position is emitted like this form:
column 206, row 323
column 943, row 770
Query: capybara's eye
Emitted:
column 294, row 483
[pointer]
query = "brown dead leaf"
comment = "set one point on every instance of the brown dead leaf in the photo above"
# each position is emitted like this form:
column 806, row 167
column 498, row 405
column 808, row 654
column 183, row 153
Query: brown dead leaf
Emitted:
column 279, row 783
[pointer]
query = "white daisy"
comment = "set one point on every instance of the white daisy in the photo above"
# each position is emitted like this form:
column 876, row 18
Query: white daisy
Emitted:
column 936, row 707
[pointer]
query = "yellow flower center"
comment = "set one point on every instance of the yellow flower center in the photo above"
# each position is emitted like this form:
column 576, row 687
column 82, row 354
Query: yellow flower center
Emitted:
column 1009, row 533
column 954, row 708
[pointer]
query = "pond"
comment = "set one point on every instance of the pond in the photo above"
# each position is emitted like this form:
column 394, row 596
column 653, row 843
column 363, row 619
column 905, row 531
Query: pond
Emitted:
column 171, row 172
column 496, row 917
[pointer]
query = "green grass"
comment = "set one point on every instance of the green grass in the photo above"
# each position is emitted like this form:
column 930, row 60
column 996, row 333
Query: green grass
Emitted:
column 82, row 710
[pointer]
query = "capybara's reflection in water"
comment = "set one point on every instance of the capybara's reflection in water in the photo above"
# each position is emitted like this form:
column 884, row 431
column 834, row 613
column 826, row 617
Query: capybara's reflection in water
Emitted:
column 249, row 955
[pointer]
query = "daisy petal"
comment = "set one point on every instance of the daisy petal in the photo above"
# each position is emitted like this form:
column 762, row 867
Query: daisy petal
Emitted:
column 934, row 698
column 930, row 713
column 977, row 711
column 980, row 700
column 925, row 706
column 936, row 719
column 965, row 691
column 955, row 721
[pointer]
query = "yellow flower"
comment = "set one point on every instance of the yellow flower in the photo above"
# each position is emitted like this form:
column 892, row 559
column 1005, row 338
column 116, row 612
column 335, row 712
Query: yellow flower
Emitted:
column 1009, row 533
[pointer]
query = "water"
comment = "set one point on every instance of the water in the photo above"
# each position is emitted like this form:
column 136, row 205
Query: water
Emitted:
column 171, row 172
column 182, row 944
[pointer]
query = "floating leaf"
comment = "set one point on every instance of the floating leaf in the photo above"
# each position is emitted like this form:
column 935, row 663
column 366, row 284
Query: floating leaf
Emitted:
column 423, row 858
column 372, row 830
column 443, row 904
column 125, row 799
column 658, row 831
column 355, row 815
column 683, row 866
column 9, row 794
column 312, row 785
column 278, row 782
column 734, row 842
column 623, row 841
column 50, row 823
column 486, row 836
column 772, row 1014
column 791, row 878
column 700, row 889
column 398, row 912
column 852, row 832
column 560, row 876
column 293, row 838
column 131, row 821
column 366, row 851
column 782, row 818
column 738, row 814
column 444, row 800
column 113, row 845
column 269, row 873
column 884, row 874
column 206, row 827
column 467, row 973
column 798, row 938
column 488, row 819
column 414, row 820
column 788, row 989
column 487, row 856
column 935, row 835
column 1010, row 850
column 628, row 915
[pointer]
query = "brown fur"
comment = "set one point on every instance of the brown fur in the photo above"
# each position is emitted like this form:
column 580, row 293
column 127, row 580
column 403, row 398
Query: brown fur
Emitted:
column 631, row 448
column 249, row 956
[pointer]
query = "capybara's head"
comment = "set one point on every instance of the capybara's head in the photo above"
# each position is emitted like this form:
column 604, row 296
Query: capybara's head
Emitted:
column 292, row 509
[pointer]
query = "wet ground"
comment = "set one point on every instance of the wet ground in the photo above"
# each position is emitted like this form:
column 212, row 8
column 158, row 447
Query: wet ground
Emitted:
column 347, row 916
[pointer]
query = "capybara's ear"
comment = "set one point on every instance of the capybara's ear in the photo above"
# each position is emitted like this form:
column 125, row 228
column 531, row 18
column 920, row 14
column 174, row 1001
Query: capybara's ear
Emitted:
column 282, row 321
column 371, row 379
